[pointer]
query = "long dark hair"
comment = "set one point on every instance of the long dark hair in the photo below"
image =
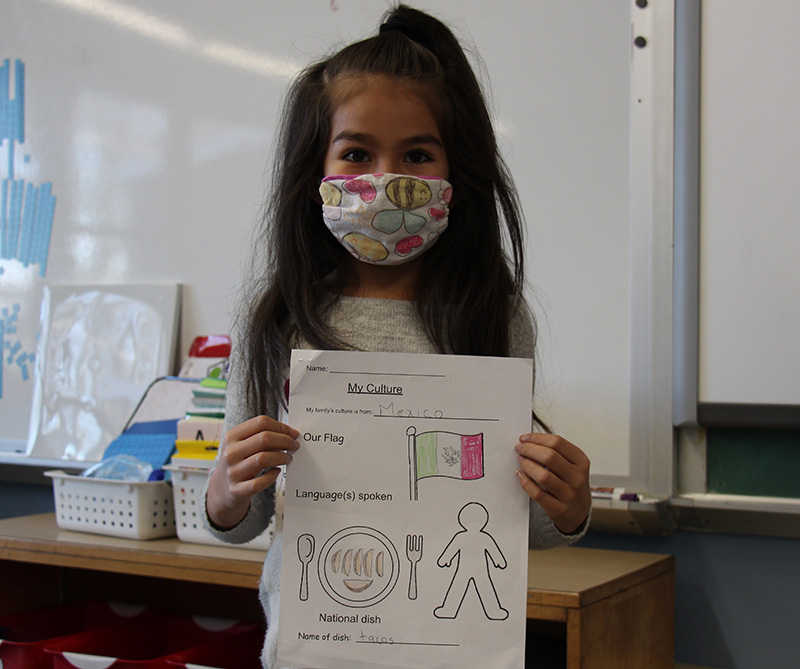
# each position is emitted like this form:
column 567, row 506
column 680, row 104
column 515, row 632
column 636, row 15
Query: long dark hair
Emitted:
column 471, row 282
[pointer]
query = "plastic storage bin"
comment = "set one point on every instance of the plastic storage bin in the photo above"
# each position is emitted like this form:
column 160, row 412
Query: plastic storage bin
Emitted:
column 238, row 651
column 187, row 491
column 144, row 644
column 136, row 510
column 23, row 636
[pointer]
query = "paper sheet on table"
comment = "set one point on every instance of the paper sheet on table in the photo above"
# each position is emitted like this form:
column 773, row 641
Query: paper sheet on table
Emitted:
column 406, row 532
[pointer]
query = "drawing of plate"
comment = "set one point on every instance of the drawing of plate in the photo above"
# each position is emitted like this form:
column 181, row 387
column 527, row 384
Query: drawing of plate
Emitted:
column 358, row 566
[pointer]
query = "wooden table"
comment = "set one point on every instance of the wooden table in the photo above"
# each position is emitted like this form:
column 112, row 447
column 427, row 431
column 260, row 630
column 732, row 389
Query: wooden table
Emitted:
column 44, row 565
column 613, row 608
column 616, row 607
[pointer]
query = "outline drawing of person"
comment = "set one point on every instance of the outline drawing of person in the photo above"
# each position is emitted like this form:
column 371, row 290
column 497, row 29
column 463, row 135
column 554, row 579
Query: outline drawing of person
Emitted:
column 473, row 549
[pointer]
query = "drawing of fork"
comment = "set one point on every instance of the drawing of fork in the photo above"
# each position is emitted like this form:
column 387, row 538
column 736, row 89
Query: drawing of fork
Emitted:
column 414, row 555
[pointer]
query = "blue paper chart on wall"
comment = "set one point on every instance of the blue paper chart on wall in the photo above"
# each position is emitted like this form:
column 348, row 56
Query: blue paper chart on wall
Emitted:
column 27, row 211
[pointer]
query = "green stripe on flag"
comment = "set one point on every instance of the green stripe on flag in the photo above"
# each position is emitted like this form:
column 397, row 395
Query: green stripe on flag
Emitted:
column 427, row 464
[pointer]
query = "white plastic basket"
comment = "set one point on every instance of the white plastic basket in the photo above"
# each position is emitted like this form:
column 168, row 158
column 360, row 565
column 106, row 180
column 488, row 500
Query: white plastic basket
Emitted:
column 136, row 510
column 187, row 489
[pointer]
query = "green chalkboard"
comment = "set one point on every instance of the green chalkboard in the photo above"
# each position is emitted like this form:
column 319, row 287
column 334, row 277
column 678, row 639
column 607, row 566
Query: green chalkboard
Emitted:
column 765, row 463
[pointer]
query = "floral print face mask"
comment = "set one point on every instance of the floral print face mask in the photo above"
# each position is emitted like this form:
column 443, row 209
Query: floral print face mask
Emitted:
column 385, row 219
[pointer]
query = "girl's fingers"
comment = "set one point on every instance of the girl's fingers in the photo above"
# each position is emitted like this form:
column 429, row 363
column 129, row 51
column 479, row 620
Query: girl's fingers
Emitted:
column 545, row 479
column 536, row 492
column 257, row 435
column 249, row 462
column 252, row 453
column 259, row 425
column 555, row 473
column 556, row 455
column 558, row 445
column 252, row 486
column 252, row 467
column 265, row 442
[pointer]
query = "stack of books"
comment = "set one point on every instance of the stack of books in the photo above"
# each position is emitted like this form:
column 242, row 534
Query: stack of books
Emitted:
column 199, row 432
column 208, row 399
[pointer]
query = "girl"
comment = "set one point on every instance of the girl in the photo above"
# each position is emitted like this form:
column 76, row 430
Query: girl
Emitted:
column 380, row 122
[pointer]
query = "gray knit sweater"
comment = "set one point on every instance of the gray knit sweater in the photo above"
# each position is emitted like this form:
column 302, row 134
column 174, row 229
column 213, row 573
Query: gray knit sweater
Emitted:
column 367, row 324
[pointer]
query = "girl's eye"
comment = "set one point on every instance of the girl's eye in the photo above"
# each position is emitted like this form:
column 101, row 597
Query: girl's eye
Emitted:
column 417, row 157
column 356, row 156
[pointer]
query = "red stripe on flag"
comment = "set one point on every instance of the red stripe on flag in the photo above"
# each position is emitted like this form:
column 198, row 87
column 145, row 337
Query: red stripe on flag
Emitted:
column 471, row 456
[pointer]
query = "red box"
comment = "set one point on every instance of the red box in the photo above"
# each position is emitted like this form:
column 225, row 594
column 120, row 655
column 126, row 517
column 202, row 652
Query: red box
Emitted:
column 238, row 651
column 143, row 644
column 23, row 636
column 211, row 346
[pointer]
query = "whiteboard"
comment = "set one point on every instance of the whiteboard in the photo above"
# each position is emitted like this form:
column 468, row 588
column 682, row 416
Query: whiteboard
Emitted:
column 749, row 351
column 154, row 122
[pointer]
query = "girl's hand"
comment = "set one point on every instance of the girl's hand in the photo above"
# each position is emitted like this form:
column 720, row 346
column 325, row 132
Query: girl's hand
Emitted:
column 555, row 473
column 248, row 463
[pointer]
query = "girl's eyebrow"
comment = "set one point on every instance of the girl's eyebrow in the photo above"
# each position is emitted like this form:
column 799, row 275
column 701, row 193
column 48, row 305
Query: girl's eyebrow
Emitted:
column 364, row 138
column 350, row 136
column 422, row 139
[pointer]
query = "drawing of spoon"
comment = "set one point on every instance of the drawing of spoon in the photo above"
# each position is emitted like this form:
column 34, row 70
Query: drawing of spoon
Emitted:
column 305, row 551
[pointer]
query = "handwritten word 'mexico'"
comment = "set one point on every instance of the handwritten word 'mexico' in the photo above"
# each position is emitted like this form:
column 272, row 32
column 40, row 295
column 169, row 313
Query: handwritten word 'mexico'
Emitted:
column 390, row 410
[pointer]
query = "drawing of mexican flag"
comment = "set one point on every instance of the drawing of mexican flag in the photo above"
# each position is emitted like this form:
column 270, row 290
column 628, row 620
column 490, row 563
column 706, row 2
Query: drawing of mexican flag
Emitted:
column 447, row 454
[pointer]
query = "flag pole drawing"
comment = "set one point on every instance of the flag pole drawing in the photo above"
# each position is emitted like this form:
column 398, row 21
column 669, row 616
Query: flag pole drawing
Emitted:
column 445, row 454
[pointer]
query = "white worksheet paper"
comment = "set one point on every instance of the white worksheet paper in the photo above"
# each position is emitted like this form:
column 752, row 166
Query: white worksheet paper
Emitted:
column 406, row 531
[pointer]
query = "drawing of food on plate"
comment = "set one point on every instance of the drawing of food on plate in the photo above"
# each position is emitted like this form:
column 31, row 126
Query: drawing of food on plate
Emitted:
column 358, row 566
